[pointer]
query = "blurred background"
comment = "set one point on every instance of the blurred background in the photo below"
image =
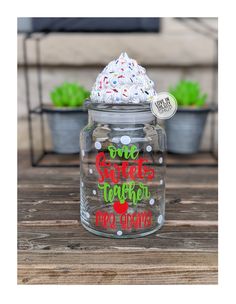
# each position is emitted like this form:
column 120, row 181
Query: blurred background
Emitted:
column 58, row 50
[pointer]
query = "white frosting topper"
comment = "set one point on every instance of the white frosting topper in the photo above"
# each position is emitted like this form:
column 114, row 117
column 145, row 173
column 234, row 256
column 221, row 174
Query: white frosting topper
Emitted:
column 123, row 81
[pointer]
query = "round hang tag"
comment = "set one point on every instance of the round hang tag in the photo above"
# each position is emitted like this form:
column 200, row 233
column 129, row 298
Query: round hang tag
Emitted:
column 164, row 105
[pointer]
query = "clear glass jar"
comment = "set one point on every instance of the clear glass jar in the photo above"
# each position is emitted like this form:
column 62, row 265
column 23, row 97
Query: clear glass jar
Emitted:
column 122, row 181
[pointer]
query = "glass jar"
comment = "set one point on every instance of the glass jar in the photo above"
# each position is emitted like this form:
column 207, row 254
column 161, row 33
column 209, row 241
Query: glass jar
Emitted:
column 122, row 167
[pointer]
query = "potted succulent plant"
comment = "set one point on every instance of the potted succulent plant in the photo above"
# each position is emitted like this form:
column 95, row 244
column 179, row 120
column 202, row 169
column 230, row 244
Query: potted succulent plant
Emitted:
column 184, row 130
column 67, row 116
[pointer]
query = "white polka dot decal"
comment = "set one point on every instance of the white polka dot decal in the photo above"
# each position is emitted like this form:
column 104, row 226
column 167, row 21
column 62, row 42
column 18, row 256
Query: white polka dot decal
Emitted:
column 83, row 153
column 160, row 219
column 119, row 232
column 161, row 160
column 82, row 184
column 152, row 201
column 161, row 182
column 149, row 148
column 94, row 192
column 91, row 171
column 125, row 140
column 98, row 145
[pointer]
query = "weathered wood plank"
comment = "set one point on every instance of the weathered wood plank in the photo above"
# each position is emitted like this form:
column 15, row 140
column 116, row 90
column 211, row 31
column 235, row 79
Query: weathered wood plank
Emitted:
column 116, row 274
column 55, row 223
column 189, row 175
column 72, row 193
column 72, row 236
column 118, row 256
column 145, row 262
column 51, row 210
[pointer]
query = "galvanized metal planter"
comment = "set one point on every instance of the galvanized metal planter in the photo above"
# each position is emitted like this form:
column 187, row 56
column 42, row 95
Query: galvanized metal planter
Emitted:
column 65, row 125
column 184, row 130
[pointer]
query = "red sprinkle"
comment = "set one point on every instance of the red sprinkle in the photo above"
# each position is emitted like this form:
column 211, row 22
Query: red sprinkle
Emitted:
column 121, row 76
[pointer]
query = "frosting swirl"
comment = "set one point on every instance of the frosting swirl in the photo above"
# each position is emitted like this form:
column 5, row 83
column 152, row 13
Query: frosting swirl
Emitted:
column 123, row 81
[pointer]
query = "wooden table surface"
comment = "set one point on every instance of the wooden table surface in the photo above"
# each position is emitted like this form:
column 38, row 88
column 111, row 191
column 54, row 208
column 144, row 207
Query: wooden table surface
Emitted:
column 53, row 247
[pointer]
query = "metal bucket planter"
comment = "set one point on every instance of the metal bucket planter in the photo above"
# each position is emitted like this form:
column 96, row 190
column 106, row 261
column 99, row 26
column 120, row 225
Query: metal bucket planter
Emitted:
column 184, row 130
column 65, row 126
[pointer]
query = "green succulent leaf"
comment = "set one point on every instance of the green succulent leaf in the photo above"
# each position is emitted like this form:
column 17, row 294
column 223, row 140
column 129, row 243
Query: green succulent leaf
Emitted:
column 188, row 93
column 69, row 95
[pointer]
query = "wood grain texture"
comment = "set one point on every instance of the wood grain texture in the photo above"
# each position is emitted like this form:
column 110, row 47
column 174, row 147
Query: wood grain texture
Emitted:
column 53, row 247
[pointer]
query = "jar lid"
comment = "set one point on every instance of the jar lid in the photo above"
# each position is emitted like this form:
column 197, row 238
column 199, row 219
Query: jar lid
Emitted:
column 122, row 116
